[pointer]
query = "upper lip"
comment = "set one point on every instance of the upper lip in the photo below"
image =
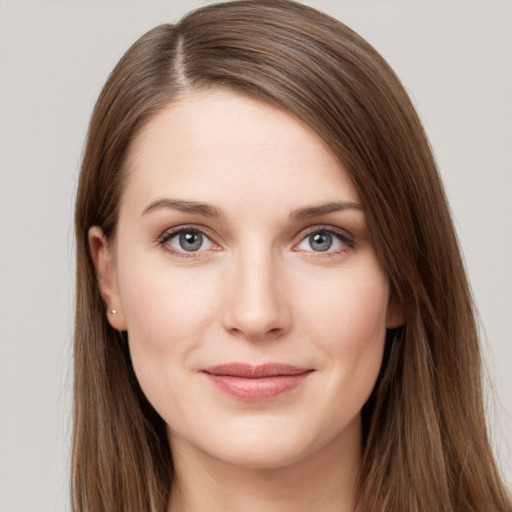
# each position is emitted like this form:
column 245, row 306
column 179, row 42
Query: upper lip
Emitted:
column 249, row 371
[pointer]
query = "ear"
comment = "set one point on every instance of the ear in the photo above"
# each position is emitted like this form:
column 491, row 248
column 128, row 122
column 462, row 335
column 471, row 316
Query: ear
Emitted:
column 396, row 316
column 106, row 275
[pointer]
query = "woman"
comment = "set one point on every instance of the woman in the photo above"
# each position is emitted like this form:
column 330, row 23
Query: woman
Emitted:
column 272, row 312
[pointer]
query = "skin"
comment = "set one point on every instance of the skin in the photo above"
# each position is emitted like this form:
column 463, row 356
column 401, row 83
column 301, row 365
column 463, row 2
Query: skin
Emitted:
column 258, row 290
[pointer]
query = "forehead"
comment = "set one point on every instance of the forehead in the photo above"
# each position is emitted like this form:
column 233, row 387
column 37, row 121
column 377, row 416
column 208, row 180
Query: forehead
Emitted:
column 217, row 146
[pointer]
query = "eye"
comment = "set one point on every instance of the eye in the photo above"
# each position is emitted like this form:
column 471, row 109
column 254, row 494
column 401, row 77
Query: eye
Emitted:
column 324, row 241
column 187, row 240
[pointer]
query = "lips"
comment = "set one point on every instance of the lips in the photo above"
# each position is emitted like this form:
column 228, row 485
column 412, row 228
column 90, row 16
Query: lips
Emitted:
column 249, row 382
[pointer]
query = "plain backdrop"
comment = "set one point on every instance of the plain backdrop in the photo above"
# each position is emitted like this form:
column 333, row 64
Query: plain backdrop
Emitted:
column 455, row 58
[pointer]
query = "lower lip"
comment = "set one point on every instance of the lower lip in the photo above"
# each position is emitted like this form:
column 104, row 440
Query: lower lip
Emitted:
column 257, row 388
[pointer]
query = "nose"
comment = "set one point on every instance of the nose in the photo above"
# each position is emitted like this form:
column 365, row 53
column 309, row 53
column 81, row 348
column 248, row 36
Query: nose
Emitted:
column 256, row 303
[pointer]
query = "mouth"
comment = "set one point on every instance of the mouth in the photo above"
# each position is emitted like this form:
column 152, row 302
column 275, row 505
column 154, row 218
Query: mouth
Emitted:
column 248, row 382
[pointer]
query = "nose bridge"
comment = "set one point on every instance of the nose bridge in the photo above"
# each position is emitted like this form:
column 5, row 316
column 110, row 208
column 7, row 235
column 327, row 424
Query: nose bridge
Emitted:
column 256, row 301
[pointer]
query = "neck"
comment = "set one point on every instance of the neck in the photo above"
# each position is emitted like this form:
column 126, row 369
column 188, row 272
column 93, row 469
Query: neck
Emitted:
column 324, row 480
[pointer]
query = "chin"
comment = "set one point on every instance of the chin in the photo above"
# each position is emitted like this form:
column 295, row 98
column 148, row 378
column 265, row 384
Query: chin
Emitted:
column 265, row 448
column 262, row 456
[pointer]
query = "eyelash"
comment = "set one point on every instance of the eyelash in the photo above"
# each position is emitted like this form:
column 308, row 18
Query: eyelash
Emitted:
column 163, row 240
column 343, row 236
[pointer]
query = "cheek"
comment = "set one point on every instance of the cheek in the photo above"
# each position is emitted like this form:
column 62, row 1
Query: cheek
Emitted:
column 348, row 306
column 347, row 322
column 167, row 310
column 155, row 295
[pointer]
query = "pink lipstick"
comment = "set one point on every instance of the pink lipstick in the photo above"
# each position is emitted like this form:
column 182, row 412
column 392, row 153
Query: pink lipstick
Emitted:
column 250, row 382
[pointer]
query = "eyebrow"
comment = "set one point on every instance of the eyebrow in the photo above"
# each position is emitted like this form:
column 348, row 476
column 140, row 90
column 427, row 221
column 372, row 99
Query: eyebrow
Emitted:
column 203, row 209
column 323, row 209
column 207, row 210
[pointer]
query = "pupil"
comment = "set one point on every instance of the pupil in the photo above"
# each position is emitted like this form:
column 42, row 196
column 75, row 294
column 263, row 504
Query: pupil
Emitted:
column 320, row 242
column 191, row 241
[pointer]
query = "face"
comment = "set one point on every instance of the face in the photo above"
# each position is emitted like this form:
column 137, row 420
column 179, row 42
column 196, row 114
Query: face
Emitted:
column 245, row 276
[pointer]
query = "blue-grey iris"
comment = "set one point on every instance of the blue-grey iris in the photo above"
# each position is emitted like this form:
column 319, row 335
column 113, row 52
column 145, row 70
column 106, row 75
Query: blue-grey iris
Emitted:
column 191, row 240
column 320, row 242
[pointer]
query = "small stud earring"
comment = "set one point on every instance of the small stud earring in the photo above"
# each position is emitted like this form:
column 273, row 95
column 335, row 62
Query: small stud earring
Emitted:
column 113, row 311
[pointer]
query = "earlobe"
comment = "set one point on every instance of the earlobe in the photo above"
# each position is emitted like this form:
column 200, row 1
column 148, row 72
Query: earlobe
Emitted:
column 106, row 276
column 396, row 316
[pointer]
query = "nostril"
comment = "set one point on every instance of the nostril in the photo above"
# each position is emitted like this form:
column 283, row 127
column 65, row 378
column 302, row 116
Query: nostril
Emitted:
column 257, row 328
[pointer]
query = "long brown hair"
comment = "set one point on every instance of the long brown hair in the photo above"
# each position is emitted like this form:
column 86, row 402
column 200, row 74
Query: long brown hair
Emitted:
column 425, row 445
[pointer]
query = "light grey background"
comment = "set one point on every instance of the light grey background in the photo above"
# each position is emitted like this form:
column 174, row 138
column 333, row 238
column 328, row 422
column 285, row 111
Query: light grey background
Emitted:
column 454, row 56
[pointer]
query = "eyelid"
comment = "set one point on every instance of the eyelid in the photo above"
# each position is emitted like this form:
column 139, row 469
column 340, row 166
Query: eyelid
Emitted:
column 169, row 233
column 346, row 238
